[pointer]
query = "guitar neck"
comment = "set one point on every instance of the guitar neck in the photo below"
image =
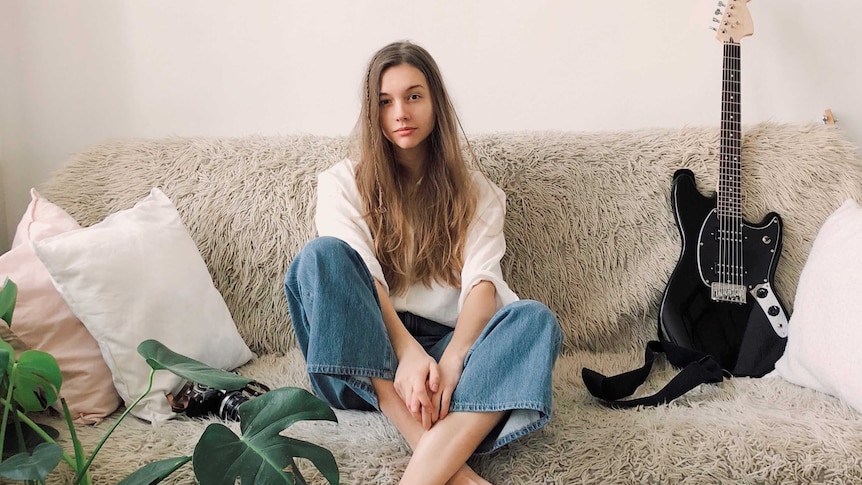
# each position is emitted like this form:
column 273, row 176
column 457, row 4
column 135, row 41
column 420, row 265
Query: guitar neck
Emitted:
column 730, row 169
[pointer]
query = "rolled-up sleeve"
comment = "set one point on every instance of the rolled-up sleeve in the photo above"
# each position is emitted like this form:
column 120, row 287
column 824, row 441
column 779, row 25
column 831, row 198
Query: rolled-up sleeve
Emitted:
column 486, row 244
column 339, row 214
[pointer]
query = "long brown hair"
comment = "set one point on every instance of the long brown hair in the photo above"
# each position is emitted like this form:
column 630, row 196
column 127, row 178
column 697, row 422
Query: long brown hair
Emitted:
column 439, row 209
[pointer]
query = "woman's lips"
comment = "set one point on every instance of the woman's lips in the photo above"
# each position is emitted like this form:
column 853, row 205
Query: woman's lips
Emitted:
column 405, row 131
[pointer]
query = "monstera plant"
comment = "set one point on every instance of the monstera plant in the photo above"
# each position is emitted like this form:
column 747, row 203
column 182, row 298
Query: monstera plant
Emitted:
column 31, row 383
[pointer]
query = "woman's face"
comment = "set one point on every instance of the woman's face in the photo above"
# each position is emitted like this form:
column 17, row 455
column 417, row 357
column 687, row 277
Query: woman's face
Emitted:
column 406, row 111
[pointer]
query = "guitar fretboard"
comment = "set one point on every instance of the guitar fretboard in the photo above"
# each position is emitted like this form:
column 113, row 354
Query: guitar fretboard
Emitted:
column 730, row 167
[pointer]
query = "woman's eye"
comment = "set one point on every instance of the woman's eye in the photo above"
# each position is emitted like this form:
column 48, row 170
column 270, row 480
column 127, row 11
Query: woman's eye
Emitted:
column 414, row 97
column 384, row 102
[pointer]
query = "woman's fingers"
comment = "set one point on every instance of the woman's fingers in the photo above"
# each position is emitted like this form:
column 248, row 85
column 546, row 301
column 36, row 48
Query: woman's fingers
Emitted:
column 433, row 377
column 421, row 406
column 426, row 418
column 420, row 392
column 450, row 374
column 415, row 408
column 445, row 401
column 437, row 403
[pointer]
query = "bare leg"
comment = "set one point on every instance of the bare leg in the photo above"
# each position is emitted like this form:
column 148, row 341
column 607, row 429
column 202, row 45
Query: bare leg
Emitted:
column 393, row 408
column 445, row 447
column 448, row 468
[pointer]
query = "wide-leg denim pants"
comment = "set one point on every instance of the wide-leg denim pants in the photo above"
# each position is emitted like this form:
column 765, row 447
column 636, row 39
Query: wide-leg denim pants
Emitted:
column 335, row 311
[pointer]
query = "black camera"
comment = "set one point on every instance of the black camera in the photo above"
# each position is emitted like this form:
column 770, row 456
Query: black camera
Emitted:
column 196, row 400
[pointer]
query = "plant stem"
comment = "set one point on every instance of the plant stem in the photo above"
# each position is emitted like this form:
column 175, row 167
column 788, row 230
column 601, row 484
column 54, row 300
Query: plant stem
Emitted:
column 7, row 406
column 82, row 471
column 19, row 433
column 76, row 444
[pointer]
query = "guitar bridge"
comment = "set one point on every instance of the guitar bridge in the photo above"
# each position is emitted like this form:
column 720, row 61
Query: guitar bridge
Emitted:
column 728, row 292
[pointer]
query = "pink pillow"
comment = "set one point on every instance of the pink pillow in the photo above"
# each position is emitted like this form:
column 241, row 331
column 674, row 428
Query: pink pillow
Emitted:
column 43, row 321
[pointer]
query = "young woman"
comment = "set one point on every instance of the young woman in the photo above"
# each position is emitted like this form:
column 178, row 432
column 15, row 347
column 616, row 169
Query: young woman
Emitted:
column 400, row 304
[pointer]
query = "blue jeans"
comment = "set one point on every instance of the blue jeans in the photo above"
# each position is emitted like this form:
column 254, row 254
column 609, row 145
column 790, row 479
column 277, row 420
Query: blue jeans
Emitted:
column 335, row 311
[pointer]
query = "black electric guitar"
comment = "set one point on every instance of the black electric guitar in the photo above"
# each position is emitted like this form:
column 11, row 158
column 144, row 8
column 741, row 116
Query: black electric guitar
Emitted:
column 721, row 298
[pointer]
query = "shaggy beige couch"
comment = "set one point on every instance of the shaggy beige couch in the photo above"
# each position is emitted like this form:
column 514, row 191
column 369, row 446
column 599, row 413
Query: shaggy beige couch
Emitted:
column 589, row 232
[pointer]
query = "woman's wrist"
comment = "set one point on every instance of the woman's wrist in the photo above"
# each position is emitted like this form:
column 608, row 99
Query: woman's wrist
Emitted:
column 405, row 347
column 455, row 352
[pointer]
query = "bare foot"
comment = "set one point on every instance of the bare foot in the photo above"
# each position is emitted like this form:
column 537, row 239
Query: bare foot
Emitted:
column 466, row 476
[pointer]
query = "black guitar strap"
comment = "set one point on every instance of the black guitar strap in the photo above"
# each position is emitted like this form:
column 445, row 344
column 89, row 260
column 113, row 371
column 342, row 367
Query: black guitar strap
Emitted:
column 697, row 368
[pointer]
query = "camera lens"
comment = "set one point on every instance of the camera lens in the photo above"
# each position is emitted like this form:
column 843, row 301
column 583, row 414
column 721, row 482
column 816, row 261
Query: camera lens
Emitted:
column 229, row 407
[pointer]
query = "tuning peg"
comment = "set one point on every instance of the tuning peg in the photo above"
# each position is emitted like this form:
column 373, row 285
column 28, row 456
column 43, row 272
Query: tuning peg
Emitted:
column 718, row 11
column 720, row 4
column 715, row 20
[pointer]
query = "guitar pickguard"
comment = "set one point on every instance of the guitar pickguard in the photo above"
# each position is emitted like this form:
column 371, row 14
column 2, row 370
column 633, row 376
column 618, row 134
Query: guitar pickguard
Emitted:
column 761, row 246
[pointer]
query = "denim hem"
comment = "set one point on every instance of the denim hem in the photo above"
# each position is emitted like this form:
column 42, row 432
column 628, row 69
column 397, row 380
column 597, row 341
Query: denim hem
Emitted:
column 500, row 442
column 537, row 406
column 335, row 370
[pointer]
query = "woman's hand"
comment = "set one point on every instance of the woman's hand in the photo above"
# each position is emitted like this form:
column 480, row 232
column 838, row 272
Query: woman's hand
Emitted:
column 450, row 368
column 416, row 379
column 478, row 308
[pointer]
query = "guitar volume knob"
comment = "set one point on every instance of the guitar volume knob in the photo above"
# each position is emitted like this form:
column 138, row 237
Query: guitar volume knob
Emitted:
column 773, row 310
column 762, row 293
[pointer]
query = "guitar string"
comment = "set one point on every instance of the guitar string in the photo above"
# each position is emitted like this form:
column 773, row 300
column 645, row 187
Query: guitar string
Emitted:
column 735, row 161
column 737, row 167
column 722, row 202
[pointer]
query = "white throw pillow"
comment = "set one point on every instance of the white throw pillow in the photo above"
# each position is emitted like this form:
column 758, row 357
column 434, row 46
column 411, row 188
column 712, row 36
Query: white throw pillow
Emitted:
column 138, row 275
column 826, row 327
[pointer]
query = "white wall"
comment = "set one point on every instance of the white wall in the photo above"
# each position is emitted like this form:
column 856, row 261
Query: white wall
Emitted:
column 77, row 73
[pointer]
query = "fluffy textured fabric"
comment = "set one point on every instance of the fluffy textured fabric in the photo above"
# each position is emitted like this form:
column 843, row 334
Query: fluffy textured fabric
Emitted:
column 590, row 232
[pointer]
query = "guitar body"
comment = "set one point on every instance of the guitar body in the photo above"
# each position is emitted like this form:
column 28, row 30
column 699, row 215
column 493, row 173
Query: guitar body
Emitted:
column 692, row 318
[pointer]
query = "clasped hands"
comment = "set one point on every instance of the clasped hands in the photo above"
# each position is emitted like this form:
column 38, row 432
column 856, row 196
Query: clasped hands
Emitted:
column 425, row 385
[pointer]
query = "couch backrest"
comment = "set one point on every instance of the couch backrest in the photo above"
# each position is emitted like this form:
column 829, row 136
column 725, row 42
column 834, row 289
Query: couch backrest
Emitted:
column 589, row 227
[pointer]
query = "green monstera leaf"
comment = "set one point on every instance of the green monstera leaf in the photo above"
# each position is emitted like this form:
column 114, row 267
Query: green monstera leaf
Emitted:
column 159, row 357
column 262, row 455
column 36, row 380
column 35, row 467
column 8, row 295
column 155, row 472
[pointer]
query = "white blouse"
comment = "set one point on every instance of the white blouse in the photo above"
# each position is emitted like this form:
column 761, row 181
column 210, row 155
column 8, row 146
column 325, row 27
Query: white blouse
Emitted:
column 339, row 214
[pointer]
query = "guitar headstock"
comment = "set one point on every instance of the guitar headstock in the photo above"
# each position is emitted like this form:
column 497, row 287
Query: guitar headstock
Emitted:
column 734, row 20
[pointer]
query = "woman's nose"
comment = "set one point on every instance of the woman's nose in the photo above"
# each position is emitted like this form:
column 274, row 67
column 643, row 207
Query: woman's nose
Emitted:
column 400, row 112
